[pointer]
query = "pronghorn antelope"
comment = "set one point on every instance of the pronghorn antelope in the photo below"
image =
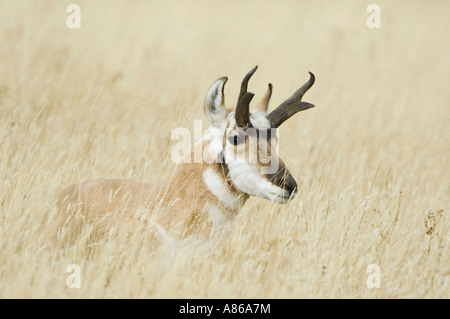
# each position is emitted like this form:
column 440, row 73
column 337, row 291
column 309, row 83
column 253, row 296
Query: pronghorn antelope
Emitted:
column 201, row 198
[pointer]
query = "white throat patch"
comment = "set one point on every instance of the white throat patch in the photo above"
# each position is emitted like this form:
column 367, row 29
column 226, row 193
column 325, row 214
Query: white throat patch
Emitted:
column 217, row 185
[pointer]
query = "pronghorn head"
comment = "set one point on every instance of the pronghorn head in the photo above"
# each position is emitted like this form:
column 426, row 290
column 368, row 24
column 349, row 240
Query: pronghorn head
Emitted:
column 245, row 141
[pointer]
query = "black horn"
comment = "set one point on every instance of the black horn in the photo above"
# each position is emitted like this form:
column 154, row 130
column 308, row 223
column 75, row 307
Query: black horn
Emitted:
column 242, row 113
column 292, row 105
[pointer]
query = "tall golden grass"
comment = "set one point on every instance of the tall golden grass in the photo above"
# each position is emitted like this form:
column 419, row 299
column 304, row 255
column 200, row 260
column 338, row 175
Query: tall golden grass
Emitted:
column 371, row 159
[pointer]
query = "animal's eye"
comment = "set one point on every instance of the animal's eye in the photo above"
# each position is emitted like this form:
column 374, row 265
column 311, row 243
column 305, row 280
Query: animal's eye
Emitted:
column 236, row 139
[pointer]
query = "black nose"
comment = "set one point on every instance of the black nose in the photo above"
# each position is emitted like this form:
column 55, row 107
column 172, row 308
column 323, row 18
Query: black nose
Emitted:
column 284, row 180
column 291, row 187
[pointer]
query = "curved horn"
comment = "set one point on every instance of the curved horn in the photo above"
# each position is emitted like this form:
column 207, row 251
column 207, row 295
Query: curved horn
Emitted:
column 292, row 105
column 242, row 113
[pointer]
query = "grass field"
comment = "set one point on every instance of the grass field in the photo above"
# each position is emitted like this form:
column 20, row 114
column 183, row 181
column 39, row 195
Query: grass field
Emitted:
column 371, row 159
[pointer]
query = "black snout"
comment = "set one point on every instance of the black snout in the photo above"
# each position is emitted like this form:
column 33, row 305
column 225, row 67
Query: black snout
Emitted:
column 283, row 179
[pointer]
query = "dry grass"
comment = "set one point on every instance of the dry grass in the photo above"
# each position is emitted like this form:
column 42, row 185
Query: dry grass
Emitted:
column 372, row 159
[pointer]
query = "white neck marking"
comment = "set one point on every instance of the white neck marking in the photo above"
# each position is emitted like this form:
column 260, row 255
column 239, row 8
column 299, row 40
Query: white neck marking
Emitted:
column 217, row 185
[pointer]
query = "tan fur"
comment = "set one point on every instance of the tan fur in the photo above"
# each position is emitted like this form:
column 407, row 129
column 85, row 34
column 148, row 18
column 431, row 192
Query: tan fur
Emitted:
column 180, row 202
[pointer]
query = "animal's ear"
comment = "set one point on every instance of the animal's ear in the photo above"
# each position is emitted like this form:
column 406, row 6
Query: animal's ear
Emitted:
column 215, row 103
column 263, row 105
